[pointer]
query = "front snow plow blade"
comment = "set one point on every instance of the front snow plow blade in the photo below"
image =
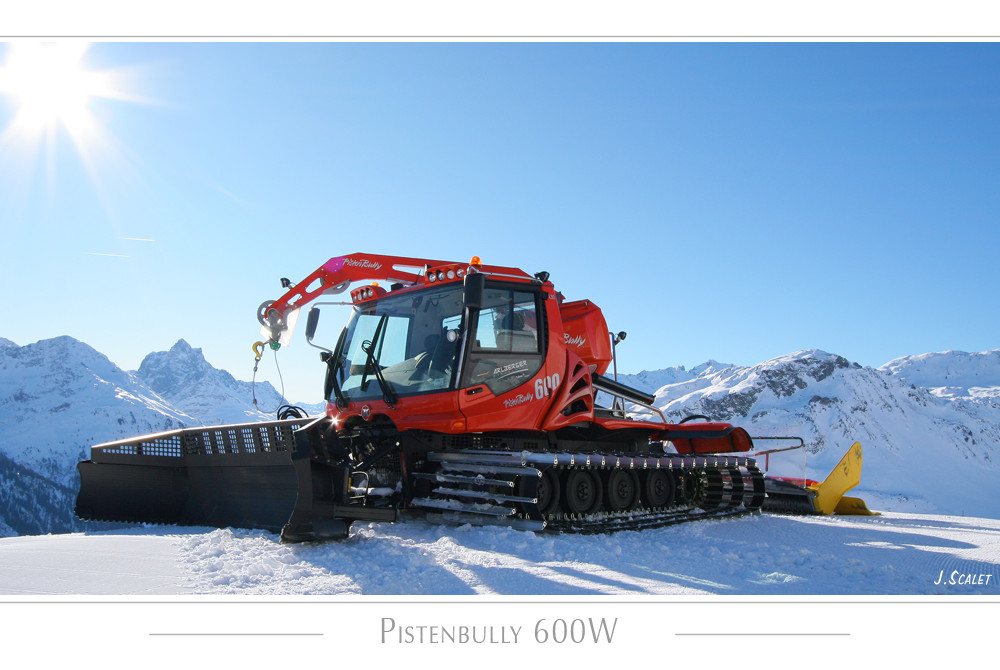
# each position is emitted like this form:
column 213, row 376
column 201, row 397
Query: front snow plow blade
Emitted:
column 257, row 475
column 796, row 496
column 853, row 506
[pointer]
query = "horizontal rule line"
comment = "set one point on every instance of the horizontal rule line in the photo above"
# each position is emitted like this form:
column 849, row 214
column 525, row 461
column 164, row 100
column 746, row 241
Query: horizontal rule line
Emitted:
column 763, row 634
column 236, row 634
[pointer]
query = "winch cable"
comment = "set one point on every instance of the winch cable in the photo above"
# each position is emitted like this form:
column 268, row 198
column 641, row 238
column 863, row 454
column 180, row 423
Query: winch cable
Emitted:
column 258, row 350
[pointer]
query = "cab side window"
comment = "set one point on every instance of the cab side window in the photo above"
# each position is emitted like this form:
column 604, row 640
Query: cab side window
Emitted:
column 506, row 349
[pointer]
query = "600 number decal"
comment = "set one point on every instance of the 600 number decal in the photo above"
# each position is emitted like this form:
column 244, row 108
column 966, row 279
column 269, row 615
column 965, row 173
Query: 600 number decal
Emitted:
column 546, row 385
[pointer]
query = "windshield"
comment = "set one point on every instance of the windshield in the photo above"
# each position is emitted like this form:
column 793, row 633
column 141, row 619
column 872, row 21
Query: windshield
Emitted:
column 407, row 342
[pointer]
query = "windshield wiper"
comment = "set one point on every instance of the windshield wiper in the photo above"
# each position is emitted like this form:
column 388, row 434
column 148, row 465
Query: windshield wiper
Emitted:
column 335, row 362
column 373, row 348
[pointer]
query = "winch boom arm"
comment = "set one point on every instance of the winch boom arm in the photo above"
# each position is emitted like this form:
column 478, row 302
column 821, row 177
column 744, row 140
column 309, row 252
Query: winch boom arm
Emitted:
column 337, row 274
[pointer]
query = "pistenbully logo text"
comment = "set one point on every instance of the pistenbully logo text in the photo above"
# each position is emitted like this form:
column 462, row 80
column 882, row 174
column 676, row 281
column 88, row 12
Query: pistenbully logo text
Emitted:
column 362, row 263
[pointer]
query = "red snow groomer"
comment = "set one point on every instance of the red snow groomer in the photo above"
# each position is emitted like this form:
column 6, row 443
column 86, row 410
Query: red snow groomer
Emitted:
column 461, row 392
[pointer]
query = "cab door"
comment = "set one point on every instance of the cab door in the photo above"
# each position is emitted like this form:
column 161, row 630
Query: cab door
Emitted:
column 506, row 343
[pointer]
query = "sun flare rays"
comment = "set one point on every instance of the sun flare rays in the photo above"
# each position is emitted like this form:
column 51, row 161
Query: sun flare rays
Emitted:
column 51, row 94
column 51, row 88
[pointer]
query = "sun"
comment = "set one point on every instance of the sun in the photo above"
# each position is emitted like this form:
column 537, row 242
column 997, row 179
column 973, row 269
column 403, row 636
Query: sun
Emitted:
column 47, row 95
column 51, row 88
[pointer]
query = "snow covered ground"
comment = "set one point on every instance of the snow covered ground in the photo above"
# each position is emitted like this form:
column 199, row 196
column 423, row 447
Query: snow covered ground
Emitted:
column 893, row 554
column 901, row 588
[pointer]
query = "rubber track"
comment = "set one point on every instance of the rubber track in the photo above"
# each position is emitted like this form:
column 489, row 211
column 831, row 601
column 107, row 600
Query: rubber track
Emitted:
column 640, row 520
column 730, row 486
column 789, row 504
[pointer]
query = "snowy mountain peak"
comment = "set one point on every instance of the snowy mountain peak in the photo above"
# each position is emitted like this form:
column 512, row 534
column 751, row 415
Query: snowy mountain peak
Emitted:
column 809, row 358
column 187, row 380
column 57, row 350
column 182, row 348
column 786, row 374
column 59, row 365
column 172, row 372
column 59, row 396
column 710, row 367
column 951, row 374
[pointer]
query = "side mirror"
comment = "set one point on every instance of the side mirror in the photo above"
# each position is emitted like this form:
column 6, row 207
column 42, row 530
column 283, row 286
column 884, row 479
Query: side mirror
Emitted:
column 475, row 284
column 311, row 322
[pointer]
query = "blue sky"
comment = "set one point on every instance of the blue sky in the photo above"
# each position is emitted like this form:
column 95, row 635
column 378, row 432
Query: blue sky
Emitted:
column 732, row 201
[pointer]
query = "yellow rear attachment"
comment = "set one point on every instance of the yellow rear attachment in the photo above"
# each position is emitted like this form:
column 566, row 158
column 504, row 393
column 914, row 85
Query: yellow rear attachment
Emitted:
column 826, row 497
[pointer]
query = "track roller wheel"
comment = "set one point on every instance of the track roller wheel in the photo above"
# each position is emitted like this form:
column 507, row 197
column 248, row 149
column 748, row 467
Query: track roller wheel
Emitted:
column 544, row 489
column 582, row 492
column 739, row 486
column 711, row 496
column 658, row 488
column 688, row 486
column 637, row 484
column 547, row 493
column 759, row 494
column 700, row 488
column 621, row 491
